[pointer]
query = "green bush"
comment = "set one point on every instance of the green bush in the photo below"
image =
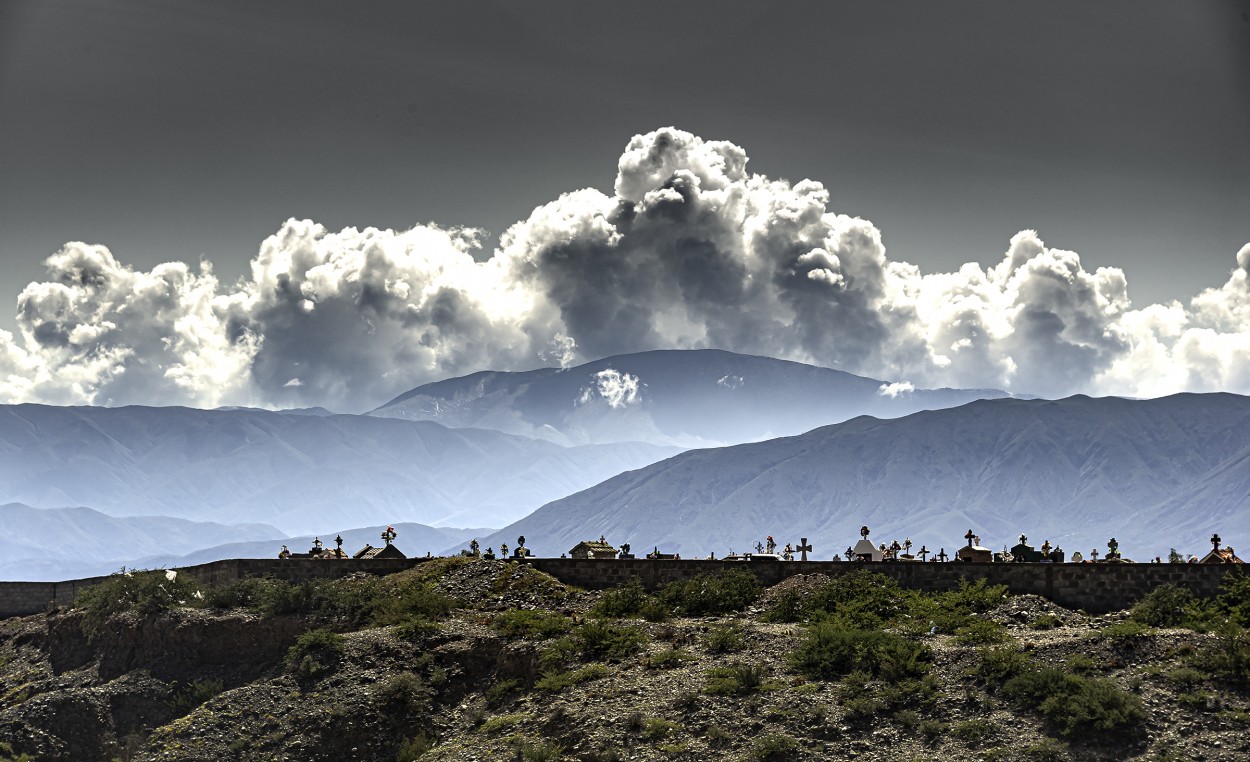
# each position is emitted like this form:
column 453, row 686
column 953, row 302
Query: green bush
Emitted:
column 196, row 692
column 1128, row 630
column 980, row 632
column 655, row 728
column 830, row 650
column 860, row 599
column 554, row 682
column 720, row 640
column 1228, row 656
column 416, row 630
column 412, row 749
column 667, row 659
column 607, row 640
column 146, row 593
column 534, row 625
column 736, row 678
column 404, row 692
column 1165, row 606
column 1074, row 704
column 973, row 731
column 1046, row 622
column 774, row 747
column 1232, row 603
column 362, row 600
column 623, row 600
column 315, row 653
column 1000, row 664
column 711, row 594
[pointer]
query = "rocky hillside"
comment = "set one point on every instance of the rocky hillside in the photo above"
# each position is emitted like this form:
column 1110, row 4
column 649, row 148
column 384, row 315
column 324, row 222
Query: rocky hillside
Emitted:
column 464, row 659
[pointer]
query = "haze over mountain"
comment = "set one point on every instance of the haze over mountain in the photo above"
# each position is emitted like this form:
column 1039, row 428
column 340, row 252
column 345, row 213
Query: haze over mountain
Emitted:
column 689, row 398
column 64, row 543
column 301, row 473
column 1155, row 474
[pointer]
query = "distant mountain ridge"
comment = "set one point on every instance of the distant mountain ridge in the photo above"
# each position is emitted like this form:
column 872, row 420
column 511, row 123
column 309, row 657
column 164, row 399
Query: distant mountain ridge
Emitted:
column 299, row 473
column 1155, row 474
column 63, row 543
column 688, row 398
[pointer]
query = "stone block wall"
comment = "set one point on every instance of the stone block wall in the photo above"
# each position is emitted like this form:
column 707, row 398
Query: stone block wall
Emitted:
column 1096, row 588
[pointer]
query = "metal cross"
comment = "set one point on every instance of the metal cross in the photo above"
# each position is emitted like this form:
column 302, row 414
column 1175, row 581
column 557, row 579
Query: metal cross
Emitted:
column 803, row 548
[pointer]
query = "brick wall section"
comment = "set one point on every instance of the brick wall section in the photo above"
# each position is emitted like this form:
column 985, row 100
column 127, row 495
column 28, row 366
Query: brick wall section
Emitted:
column 1096, row 588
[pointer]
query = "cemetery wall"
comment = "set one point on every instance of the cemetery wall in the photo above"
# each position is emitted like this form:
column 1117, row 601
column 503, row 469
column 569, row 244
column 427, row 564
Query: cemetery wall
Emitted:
column 23, row 598
column 1096, row 588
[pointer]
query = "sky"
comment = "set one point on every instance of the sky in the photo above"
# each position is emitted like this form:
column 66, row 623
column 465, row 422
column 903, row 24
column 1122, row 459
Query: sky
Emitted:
column 254, row 145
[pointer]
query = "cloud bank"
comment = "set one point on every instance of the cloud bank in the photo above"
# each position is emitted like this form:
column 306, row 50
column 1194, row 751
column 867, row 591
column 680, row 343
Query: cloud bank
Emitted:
column 690, row 251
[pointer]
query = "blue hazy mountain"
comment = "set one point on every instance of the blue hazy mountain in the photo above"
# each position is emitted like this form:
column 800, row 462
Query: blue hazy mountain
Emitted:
column 689, row 398
column 300, row 473
column 62, row 543
column 1155, row 474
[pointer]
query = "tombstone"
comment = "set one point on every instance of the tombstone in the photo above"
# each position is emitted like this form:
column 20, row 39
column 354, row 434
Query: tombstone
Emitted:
column 285, row 552
column 848, row 553
column 1077, row 558
column 865, row 550
column 1093, row 554
column 803, row 548
column 1024, row 552
column 625, row 551
column 1113, row 550
column 489, row 555
column 973, row 552
column 316, row 549
column 1057, row 555
column 907, row 556
column 770, row 545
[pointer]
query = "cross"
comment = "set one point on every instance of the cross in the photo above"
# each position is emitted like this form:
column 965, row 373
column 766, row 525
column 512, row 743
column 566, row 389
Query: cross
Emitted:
column 907, row 545
column 803, row 548
column 338, row 542
column 863, row 532
column 1215, row 540
column 759, row 547
column 923, row 552
column 1023, row 539
column 1046, row 548
column 1112, row 546
column 1094, row 554
column 969, row 537
column 317, row 543
column 941, row 556
column 849, row 553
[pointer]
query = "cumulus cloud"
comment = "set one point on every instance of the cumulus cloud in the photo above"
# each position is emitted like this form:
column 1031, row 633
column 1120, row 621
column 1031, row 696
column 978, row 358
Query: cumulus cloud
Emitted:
column 691, row 250
column 613, row 387
column 730, row 381
column 896, row 389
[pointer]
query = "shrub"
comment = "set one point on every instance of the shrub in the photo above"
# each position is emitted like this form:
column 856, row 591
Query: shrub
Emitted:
column 721, row 640
column 623, row 600
column 736, row 678
column 191, row 695
column 980, row 632
column 1228, row 656
column 1000, row 664
column 412, row 749
column 973, row 731
column 1075, row 704
column 500, row 723
column 1165, row 606
column 1232, row 603
column 405, row 692
column 315, row 653
column 605, row 640
column 1046, row 622
column 710, row 594
column 535, row 625
column 932, row 730
column 415, row 630
column 667, row 659
column 654, row 728
column 1128, row 630
column 538, row 751
column 554, row 682
column 829, row 651
column 146, row 593
column 499, row 690
column 774, row 747
column 861, row 599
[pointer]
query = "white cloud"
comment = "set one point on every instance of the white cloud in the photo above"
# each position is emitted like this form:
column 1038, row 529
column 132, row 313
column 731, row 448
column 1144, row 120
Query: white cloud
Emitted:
column 730, row 381
column 613, row 387
column 691, row 251
column 895, row 389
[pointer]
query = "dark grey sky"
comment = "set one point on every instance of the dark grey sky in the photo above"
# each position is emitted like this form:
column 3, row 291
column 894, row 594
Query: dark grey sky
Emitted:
column 171, row 130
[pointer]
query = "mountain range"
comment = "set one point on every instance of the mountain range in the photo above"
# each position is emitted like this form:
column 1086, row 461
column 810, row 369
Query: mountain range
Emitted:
column 299, row 473
column 1155, row 474
column 687, row 398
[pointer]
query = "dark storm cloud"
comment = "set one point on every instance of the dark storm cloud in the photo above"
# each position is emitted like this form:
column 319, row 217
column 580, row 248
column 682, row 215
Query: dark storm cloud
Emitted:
column 691, row 251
